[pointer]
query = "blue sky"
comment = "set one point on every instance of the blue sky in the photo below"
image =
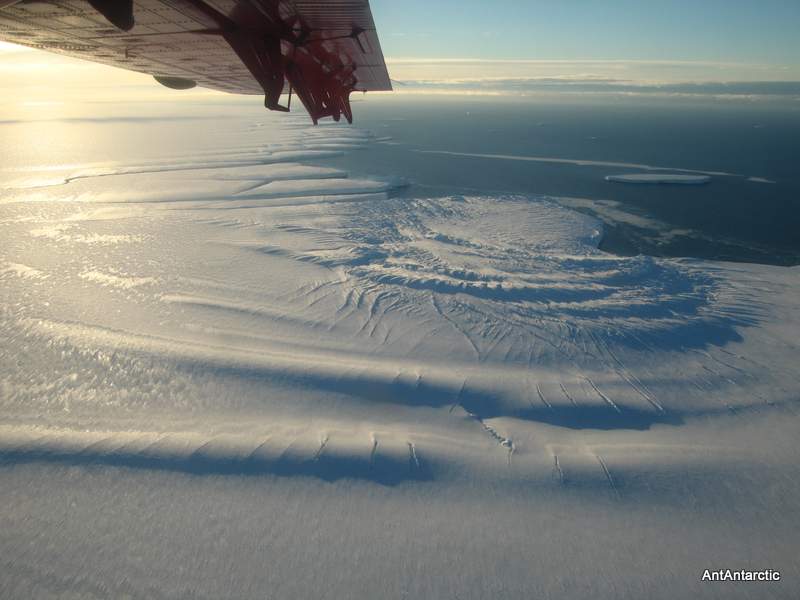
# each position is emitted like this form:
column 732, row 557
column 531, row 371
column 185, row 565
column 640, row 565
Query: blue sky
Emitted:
column 764, row 31
column 516, row 47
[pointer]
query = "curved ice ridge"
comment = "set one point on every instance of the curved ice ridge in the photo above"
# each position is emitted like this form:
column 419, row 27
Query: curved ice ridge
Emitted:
column 381, row 458
column 286, row 287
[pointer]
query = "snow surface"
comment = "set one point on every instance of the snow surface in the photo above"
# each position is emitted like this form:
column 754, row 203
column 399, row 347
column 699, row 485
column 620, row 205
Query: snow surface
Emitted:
column 238, row 373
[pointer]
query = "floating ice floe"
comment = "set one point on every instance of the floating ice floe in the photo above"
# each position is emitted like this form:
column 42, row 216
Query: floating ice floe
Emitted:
column 659, row 178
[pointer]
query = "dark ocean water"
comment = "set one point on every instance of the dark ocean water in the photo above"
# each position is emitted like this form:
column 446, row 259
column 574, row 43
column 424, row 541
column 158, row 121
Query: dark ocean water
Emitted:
column 730, row 218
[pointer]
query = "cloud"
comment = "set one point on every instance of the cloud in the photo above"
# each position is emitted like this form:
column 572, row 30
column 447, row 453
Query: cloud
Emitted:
column 650, row 71
column 629, row 77
column 28, row 79
column 571, row 84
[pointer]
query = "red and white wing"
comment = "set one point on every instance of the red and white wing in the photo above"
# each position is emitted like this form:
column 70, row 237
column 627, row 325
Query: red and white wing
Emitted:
column 321, row 50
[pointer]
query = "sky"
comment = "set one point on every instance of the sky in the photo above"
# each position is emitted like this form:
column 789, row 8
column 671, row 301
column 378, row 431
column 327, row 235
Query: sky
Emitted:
column 516, row 47
column 763, row 31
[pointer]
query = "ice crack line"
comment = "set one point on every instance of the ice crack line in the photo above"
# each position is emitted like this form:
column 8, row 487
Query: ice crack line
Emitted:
column 607, row 474
column 505, row 442
column 374, row 450
column 607, row 400
column 323, row 442
column 544, row 400
column 412, row 456
column 559, row 471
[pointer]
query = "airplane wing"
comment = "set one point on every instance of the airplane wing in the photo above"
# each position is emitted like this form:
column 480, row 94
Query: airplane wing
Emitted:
column 319, row 50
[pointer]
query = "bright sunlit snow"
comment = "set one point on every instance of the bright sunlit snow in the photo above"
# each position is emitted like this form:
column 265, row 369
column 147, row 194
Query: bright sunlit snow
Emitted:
column 239, row 372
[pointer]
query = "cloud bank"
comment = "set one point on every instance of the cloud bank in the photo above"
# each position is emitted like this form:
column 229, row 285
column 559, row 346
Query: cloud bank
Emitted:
column 550, row 85
column 29, row 78
column 630, row 77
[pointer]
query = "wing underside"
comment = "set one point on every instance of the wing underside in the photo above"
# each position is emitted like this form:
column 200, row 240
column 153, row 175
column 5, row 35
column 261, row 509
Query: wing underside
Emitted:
column 320, row 49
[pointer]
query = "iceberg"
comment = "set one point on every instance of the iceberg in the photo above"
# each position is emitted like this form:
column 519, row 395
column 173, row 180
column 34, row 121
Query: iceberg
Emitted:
column 660, row 178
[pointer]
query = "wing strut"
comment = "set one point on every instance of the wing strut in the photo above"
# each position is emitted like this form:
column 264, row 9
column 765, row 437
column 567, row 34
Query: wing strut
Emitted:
column 318, row 75
column 259, row 50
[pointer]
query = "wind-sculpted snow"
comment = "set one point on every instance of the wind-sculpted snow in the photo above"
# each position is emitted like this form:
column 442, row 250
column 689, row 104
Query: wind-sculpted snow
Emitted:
column 379, row 458
column 248, row 313
column 493, row 306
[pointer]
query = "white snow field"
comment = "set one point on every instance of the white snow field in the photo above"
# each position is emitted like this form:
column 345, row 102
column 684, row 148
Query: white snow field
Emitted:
column 237, row 373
